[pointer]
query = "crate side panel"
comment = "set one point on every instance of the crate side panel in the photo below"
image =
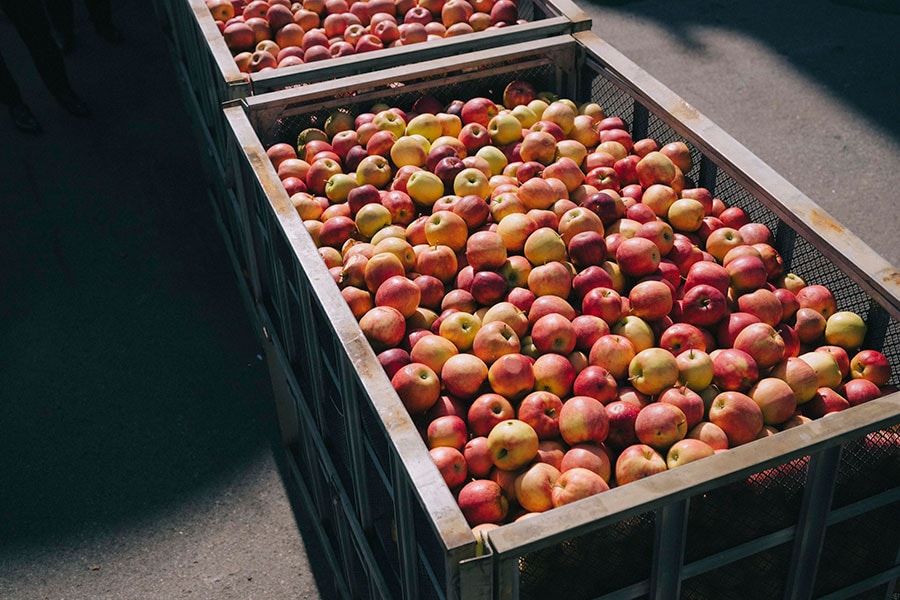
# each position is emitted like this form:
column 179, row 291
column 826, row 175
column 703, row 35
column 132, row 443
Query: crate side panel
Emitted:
column 592, row 565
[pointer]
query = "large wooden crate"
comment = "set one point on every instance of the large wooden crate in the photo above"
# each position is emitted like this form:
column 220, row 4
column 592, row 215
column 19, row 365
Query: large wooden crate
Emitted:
column 810, row 512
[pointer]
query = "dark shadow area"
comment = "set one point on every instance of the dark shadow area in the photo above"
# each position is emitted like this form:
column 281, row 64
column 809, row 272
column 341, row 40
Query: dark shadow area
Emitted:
column 131, row 378
column 849, row 47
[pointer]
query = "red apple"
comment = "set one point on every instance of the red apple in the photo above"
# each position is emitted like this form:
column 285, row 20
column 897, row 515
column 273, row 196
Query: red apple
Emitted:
column 482, row 501
column 734, row 370
column 576, row 483
column 583, row 419
column 478, row 457
column 636, row 462
column 452, row 465
column 738, row 415
column 660, row 424
column 541, row 410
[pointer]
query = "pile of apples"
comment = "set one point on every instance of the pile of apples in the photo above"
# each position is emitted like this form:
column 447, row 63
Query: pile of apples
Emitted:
column 560, row 309
column 268, row 34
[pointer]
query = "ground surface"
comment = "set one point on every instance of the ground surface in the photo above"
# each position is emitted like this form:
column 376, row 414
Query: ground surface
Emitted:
column 136, row 417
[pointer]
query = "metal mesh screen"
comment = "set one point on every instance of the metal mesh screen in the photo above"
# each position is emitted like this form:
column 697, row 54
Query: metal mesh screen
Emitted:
column 761, row 575
column 591, row 565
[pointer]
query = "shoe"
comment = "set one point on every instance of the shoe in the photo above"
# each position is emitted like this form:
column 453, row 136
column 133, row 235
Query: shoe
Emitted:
column 110, row 33
column 72, row 103
column 23, row 119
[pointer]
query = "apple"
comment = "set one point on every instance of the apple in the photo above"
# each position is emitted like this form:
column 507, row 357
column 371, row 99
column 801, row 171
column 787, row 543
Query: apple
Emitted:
column 553, row 372
column 463, row 375
column 710, row 433
column 508, row 313
column 554, row 333
column 433, row 350
column 576, row 483
column 734, row 369
column 651, row 300
column 399, row 292
column 596, row 382
column 840, row 355
column 775, row 398
column 799, row 375
column 438, row 261
column 703, row 305
column 417, row 386
column 486, row 411
column 471, row 181
column 594, row 457
column 513, row 444
column 392, row 359
column 728, row 328
column 614, row 353
column 607, row 204
column 518, row 92
column 826, row 367
column 538, row 146
column 583, row 419
column 383, row 326
column 452, row 465
column 652, row 370
column 511, row 376
column 374, row 169
column 686, row 399
column 660, row 424
column 764, row 304
column 482, row 501
column 488, row 287
column 621, row 416
column 603, row 302
column 762, row 342
column 681, row 337
column 460, row 328
column 738, row 415
column 817, row 297
column 541, row 410
column 695, row 368
column 493, row 340
column 534, row 486
column 872, row 365
column 478, row 457
column 448, row 431
column 825, row 401
column 686, row 451
column 636, row 462
column 424, row 187
column 655, row 168
column 551, row 452
column 845, row 329
column 637, row 256
column 859, row 391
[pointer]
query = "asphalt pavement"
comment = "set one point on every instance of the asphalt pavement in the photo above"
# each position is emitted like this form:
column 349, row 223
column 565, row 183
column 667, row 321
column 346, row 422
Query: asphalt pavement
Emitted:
column 138, row 442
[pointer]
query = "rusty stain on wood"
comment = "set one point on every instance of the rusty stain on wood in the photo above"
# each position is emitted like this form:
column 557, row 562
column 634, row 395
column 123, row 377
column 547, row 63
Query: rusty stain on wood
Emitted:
column 891, row 277
column 821, row 221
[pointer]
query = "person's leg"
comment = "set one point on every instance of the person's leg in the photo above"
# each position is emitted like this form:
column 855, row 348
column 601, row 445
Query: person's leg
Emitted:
column 11, row 96
column 34, row 29
column 62, row 16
